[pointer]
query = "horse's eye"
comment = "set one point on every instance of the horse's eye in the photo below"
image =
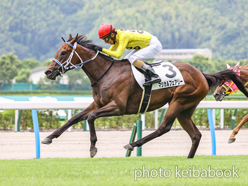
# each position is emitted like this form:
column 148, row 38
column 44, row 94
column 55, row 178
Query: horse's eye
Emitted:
column 63, row 53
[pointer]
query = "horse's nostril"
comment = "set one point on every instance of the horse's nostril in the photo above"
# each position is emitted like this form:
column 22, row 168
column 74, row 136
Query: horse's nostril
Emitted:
column 47, row 72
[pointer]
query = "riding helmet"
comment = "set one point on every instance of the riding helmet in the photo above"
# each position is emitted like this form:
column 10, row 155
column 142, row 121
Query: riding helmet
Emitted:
column 104, row 30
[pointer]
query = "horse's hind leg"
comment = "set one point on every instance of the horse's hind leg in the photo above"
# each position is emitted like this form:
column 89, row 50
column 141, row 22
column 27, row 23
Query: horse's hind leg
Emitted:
column 169, row 118
column 188, row 125
column 236, row 129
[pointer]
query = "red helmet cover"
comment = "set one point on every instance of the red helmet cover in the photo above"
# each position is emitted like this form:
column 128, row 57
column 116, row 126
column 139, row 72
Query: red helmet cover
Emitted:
column 104, row 30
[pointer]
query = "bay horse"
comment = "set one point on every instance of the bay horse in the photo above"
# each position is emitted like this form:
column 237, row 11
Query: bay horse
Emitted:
column 116, row 92
column 228, row 88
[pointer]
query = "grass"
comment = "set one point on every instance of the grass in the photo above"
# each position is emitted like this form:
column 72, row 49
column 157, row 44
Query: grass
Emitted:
column 122, row 171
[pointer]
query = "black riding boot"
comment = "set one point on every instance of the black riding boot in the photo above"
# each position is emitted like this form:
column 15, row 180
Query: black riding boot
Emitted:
column 153, row 77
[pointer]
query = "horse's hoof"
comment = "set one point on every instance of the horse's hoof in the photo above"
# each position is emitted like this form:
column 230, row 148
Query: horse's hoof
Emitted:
column 128, row 147
column 93, row 152
column 46, row 141
column 231, row 140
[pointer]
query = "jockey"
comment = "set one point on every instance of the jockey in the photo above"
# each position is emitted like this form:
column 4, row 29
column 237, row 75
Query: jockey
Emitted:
column 143, row 44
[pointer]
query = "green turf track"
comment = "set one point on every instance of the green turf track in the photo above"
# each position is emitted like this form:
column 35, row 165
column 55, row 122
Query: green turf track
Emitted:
column 122, row 171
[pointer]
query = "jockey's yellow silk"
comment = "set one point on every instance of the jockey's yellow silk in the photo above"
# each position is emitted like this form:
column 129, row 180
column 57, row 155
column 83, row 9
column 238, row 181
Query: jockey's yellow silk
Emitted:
column 131, row 40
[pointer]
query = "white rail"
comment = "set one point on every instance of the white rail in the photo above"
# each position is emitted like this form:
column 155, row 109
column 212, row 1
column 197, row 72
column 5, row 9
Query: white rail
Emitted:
column 28, row 105
column 84, row 103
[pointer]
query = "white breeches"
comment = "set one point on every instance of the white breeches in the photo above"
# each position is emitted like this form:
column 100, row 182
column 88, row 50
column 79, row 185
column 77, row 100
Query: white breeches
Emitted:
column 153, row 49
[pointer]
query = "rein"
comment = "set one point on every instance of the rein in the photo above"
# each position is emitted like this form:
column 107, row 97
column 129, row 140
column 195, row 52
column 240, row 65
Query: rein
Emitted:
column 103, row 74
column 64, row 66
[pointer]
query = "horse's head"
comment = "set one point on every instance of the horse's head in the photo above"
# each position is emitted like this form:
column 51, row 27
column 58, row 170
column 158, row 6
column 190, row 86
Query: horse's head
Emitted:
column 227, row 87
column 62, row 59
column 65, row 59
column 220, row 93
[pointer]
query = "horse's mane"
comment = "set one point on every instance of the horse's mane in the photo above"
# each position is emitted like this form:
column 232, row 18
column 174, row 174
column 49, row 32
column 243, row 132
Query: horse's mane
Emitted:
column 87, row 43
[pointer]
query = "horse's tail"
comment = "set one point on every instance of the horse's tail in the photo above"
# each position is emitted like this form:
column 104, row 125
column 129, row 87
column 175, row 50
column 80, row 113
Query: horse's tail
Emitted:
column 226, row 75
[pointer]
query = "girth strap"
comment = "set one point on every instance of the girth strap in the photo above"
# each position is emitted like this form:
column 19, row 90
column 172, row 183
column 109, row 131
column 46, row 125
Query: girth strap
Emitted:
column 145, row 100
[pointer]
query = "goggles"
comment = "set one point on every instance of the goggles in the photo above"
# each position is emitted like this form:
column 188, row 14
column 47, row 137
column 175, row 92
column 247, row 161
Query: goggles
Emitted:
column 106, row 39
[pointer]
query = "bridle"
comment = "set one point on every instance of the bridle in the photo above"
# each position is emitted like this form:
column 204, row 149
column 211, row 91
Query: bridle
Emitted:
column 65, row 65
column 231, row 87
column 227, row 88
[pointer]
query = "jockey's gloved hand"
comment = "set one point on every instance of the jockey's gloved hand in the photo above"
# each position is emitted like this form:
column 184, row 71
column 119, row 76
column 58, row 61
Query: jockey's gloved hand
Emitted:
column 98, row 48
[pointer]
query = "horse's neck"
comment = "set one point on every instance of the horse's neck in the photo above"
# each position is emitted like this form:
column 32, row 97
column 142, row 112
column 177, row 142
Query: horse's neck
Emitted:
column 243, row 70
column 96, row 68
column 244, row 67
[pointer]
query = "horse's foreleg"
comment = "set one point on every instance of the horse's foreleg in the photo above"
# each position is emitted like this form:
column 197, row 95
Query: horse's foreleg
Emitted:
column 188, row 125
column 75, row 119
column 236, row 129
column 110, row 109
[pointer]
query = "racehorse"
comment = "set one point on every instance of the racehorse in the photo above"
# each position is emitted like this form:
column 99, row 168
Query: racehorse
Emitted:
column 228, row 88
column 116, row 92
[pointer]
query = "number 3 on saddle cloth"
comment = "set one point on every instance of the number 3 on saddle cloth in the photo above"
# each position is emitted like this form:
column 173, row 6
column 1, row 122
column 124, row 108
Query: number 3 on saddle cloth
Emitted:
column 170, row 77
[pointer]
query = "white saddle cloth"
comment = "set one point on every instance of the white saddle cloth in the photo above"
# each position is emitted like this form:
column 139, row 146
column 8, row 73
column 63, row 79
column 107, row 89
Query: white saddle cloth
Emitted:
column 169, row 74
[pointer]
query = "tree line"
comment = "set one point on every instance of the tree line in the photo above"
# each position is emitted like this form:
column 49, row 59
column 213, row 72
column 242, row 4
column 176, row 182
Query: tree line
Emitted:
column 16, row 70
column 32, row 29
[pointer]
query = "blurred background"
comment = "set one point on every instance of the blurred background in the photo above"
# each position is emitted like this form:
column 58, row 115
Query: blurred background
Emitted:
column 31, row 31
column 207, row 34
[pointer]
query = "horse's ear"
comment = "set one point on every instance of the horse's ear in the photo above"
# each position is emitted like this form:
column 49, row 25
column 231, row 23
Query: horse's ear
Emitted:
column 237, row 65
column 74, row 39
column 235, row 68
column 63, row 39
column 228, row 66
column 69, row 38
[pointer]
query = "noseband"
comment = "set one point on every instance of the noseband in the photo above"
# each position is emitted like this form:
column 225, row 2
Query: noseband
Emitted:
column 65, row 65
column 230, row 87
